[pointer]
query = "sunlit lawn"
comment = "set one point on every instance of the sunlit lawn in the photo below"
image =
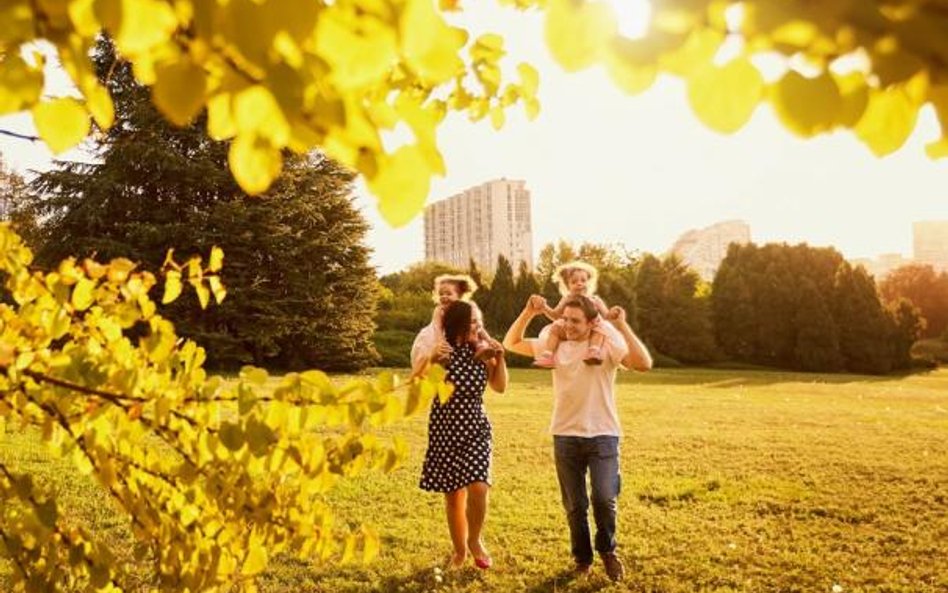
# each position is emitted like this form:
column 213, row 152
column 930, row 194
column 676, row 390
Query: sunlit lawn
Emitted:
column 732, row 481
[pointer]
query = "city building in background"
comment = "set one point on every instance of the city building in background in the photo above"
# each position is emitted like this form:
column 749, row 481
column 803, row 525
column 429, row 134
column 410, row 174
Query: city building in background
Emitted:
column 703, row 250
column 481, row 223
column 930, row 240
column 881, row 266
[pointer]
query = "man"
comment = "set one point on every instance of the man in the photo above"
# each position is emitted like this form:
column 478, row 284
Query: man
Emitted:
column 585, row 424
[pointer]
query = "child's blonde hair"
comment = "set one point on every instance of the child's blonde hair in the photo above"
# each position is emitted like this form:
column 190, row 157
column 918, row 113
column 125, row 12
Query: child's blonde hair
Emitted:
column 563, row 273
column 464, row 283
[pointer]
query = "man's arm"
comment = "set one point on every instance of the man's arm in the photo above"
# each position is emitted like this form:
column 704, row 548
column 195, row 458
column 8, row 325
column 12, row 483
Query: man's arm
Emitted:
column 638, row 357
column 514, row 340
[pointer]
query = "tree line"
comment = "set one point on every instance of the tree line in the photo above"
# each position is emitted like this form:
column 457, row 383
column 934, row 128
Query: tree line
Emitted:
column 788, row 306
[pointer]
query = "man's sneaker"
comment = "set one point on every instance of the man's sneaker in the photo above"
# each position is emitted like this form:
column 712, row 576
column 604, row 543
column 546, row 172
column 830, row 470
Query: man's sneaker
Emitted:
column 593, row 355
column 581, row 569
column 614, row 568
column 545, row 360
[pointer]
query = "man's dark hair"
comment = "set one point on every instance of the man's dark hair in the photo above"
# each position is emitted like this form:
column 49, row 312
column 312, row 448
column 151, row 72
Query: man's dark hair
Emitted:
column 584, row 304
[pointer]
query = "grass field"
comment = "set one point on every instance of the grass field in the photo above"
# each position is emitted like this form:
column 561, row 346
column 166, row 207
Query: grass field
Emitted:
column 732, row 481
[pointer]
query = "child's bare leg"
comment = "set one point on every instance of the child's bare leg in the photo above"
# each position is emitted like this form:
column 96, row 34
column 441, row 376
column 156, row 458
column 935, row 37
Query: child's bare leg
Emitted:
column 546, row 359
column 594, row 354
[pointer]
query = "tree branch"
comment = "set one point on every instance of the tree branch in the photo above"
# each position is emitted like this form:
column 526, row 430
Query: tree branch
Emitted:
column 19, row 136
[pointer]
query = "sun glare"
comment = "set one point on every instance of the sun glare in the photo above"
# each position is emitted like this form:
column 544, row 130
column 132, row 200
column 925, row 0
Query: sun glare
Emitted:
column 632, row 16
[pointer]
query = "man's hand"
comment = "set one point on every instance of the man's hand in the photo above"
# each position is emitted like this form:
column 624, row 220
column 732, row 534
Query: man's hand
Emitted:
column 617, row 314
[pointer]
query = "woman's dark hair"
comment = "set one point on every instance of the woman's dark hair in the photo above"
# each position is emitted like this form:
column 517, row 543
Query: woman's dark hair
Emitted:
column 457, row 321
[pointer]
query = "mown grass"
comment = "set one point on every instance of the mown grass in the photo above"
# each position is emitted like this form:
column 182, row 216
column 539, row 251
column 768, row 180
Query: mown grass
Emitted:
column 732, row 481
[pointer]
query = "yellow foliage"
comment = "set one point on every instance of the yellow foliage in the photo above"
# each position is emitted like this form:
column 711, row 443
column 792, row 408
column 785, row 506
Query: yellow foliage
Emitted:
column 888, row 120
column 202, row 471
column 724, row 98
column 807, row 106
column 62, row 123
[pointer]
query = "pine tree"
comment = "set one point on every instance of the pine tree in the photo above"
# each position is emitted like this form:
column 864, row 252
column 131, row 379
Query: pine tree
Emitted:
column 501, row 309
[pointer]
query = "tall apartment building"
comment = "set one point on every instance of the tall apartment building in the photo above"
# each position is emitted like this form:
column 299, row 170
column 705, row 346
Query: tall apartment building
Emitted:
column 481, row 223
column 930, row 238
column 704, row 249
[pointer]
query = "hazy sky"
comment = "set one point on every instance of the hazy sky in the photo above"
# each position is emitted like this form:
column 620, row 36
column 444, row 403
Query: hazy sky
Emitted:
column 606, row 167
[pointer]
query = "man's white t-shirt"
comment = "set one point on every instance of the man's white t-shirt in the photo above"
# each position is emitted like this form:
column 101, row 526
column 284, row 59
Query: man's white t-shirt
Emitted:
column 584, row 403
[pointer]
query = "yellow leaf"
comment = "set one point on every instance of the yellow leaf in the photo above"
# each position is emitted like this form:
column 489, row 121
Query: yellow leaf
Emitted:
column 529, row 79
column 724, row 98
column 256, row 557
column 20, row 85
column 137, row 25
column 497, row 117
column 99, row 103
column 888, row 121
column 172, row 286
column 532, row 108
column 854, row 95
column 806, row 106
column 82, row 294
column 357, row 58
column 696, row 53
column 178, row 91
column 938, row 149
column 204, row 295
column 445, row 390
column 254, row 162
column 488, row 47
column 627, row 74
column 429, row 45
column 83, row 17
column 577, row 32
column 401, row 184
column 257, row 110
column 62, row 123
column 220, row 117
column 216, row 261
column 217, row 288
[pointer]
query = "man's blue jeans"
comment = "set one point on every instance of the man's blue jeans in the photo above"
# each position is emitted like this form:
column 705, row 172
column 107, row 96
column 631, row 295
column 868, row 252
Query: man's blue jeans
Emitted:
column 601, row 455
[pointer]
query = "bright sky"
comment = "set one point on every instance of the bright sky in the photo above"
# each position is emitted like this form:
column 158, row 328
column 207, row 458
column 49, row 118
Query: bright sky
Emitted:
column 606, row 167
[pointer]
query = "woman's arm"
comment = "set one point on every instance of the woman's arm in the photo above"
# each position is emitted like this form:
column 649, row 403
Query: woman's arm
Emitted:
column 497, row 376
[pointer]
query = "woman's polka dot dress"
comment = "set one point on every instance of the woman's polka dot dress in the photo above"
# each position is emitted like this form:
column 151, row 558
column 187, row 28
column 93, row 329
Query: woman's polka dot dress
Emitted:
column 459, row 433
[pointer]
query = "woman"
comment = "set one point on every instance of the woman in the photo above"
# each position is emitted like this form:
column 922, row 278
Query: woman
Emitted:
column 457, row 461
